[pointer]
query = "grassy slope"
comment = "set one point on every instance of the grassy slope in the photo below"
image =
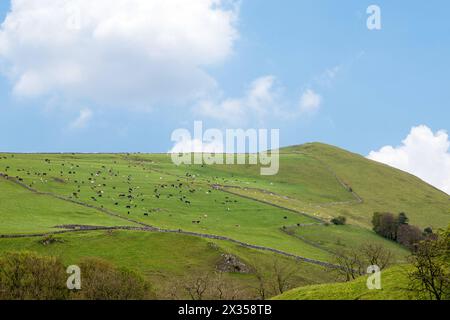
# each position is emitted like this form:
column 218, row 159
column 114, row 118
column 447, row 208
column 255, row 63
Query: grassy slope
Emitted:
column 306, row 182
column 342, row 238
column 22, row 212
column 383, row 188
column 163, row 258
column 393, row 281
column 218, row 213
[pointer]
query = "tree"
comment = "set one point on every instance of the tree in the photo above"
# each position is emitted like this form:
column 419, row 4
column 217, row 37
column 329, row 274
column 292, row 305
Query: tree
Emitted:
column 402, row 219
column 354, row 263
column 396, row 228
column 376, row 255
column 263, row 289
column 283, row 276
column 409, row 236
column 339, row 221
column 430, row 277
column 349, row 264
column 387, row 226
column 275, row 280
column 206, row 286
column 197, row 286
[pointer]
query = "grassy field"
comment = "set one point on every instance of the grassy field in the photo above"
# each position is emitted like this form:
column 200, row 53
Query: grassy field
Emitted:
column 23, row 212
column 344, row 238
column 165, row 258
column 287, row 212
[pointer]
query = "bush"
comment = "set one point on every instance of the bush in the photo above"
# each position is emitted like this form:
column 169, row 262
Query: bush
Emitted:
column 409, row 236
column 385, row 224
column 339, row 221
column 103, row 281
column 28, row 276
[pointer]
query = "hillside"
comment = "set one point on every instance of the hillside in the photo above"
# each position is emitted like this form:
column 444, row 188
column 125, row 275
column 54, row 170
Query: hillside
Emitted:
column 394, row 287
column 382, row 188
column 168, row 222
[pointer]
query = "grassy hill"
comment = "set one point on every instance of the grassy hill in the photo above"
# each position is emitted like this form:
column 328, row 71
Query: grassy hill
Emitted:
column 167, row 216
column 381, row 187
column 393, row 281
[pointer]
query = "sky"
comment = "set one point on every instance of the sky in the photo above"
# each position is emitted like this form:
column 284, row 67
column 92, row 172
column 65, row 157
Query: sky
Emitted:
column 102, row 76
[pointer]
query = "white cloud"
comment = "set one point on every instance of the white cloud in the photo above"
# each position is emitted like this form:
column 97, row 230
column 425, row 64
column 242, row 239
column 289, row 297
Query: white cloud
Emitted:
column 423, row 153
column 197, row 146
column 260, row 99
column 310, row 102
column 116, row 52
column 83, row 119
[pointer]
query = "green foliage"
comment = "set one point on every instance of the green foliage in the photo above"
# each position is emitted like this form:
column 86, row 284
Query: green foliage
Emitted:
column 28, row 276
column 430, row 277
column 396, row 228
column 101, row 280
column 339, row 221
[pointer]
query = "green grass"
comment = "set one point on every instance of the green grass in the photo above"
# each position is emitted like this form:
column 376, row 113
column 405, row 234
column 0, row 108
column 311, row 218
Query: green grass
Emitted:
column 383, row 189
column 162, row 258
column 22, row 212
column 347, row 237
column 112, row 175
column 313, row 178
column 394, row 283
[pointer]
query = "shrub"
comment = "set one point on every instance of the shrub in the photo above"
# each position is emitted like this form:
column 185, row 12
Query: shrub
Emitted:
column 29, row 276
column 387, row 224
column 339, row 221
column 402, row 218
column 103, row 281
column 409, row 236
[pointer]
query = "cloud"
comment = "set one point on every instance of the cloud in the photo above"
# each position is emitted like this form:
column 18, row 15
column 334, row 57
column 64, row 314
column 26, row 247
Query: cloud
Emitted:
column 423, row 153
column 260, row 99
column 83, row 119
column 310, row 102
column 116, row 52
column 197, row 146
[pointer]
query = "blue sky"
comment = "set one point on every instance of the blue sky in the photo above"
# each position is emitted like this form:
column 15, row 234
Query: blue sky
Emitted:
column 383, row 82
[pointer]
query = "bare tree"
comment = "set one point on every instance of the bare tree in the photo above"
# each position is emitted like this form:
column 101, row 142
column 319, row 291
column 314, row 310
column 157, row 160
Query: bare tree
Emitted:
column 197, row 286
column 353, row 264
column 263, row 287
column 349, row 264
column 207, row 286
column 376, row 254
column 283, row 276
column 274, row 280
